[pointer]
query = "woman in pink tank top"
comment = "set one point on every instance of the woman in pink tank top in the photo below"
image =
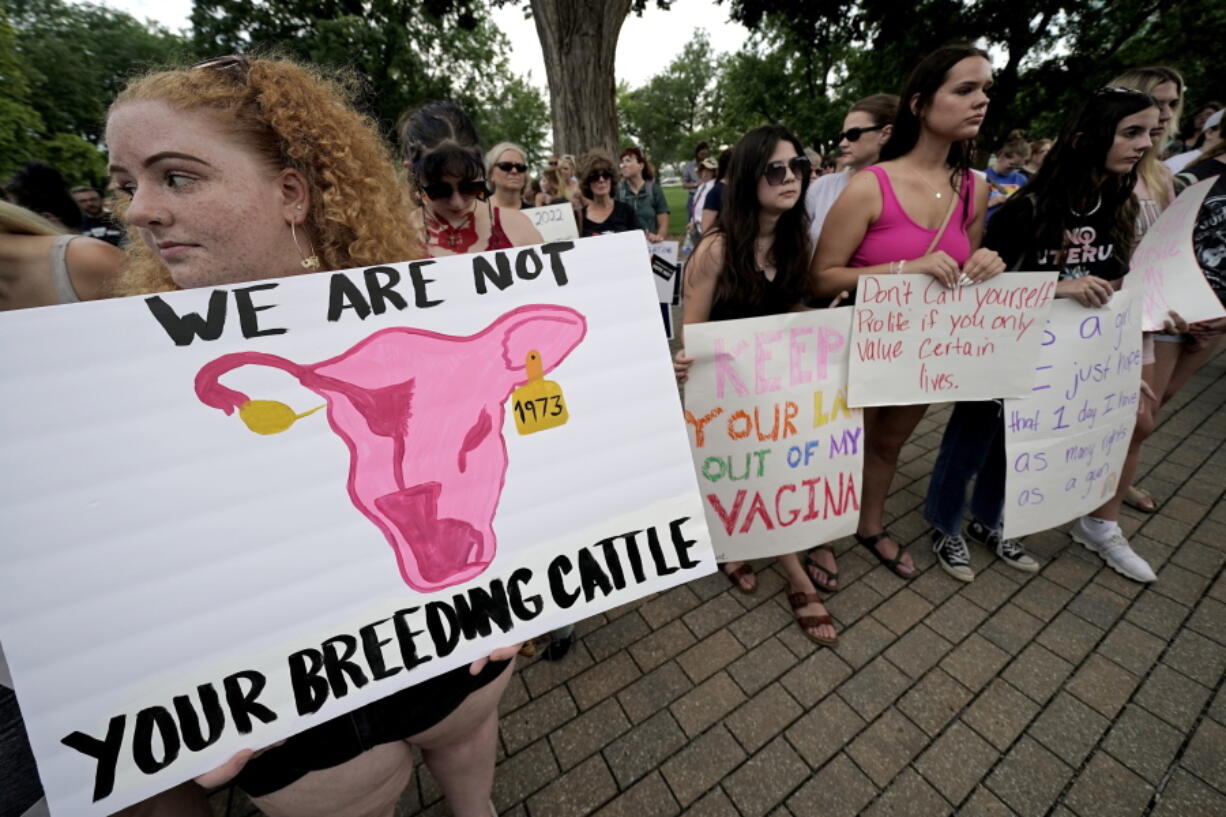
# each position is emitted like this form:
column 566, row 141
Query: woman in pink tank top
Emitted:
column 892, row 218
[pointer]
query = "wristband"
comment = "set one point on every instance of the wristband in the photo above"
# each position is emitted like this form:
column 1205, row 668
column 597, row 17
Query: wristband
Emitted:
column 901, row 264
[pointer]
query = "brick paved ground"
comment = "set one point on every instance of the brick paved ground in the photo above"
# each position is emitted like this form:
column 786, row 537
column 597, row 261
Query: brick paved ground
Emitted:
column 1068, row 692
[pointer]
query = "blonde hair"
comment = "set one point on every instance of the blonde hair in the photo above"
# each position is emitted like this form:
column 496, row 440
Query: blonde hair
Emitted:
column 1015, row 144
column 294, row 117
column 564, row 180
column 1150, row 169
column 16, row 220
column 498, row 150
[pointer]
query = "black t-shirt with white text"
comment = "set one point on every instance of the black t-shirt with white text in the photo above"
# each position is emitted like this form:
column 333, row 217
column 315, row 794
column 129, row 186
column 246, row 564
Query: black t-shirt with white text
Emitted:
column 1086, row 247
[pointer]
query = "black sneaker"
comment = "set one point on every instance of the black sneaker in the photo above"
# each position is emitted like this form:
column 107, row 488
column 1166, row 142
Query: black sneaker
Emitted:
column 1010, row 550
column 953, row 556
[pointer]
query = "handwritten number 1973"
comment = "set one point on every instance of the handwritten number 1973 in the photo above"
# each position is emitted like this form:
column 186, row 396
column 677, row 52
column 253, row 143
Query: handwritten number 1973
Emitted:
column 548, row 407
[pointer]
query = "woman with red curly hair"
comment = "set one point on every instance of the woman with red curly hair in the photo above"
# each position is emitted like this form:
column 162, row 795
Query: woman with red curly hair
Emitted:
column 239, row 169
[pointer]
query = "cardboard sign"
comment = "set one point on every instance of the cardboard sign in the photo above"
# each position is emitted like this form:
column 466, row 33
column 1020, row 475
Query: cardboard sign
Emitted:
column 777, row 450
column 1164, row 271
column 555, row 222
column 915, row 341
column 1065, row 444
column 258, row 507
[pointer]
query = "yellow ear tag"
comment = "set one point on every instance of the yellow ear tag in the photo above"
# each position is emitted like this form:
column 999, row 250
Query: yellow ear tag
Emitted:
column 538, row 404
column 270, row 416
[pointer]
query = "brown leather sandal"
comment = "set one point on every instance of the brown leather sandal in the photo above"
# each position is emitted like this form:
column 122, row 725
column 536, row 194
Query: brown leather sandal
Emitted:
column 824, row 579
column 799, row 600
column 735, row 577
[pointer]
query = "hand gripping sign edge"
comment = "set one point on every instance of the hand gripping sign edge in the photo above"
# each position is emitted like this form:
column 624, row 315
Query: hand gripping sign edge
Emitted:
column 422, row 415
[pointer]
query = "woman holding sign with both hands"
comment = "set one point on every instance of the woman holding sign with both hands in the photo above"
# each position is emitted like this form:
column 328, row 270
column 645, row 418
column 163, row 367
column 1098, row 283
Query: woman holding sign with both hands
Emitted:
column 1083, row 190
column 753, row 263
column 920, row 210
column 240, row 169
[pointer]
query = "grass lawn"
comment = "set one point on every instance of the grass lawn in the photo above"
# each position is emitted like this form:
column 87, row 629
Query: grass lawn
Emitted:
column 676, row 196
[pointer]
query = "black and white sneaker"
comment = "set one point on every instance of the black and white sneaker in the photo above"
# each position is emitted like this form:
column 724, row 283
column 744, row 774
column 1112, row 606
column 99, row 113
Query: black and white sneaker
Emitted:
column 1009, row 550
column 953, row 556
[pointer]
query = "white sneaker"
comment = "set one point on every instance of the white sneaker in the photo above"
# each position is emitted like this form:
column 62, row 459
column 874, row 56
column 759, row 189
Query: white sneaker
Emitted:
column 1115, row 550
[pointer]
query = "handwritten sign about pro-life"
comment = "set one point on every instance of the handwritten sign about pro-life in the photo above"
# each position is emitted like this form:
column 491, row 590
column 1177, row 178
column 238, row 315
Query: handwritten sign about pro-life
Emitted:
column 914, row 340
column 777, row 450
column 232, row 513
column 555, row 222
column 1065, row 444
column 1164, row 271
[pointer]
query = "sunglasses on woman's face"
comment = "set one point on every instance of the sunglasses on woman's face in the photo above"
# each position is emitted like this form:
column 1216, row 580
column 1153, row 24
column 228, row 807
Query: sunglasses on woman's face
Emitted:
column 507, row 167
column 600, row 175
column 469, row 189
column 854, row 134
column 776, row 172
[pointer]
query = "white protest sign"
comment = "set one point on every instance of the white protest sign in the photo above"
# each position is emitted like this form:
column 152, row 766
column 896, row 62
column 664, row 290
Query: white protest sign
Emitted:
column 555, row 222
column 777, row 450
column 914, row 340
column 669, row 289
column 1164, row 271
column 483, row 448
column 1065, row 444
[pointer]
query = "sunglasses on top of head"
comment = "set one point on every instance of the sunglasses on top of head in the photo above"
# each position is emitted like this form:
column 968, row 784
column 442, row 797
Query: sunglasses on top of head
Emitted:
column 473, row 189
column 507, row 167
column 776, row 172
column 597, row 175
column 853, row 134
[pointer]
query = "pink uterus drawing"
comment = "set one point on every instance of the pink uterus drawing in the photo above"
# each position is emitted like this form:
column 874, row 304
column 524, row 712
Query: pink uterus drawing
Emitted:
column 422, row 414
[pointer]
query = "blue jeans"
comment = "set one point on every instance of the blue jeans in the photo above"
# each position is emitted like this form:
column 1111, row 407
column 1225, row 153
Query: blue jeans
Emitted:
column 973, row 447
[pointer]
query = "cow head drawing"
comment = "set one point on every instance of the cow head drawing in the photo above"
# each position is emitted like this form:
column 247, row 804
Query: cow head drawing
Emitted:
column 422, row 415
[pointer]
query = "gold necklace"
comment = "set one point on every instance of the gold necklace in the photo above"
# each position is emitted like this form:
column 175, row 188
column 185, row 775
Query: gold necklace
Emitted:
column 935, row 192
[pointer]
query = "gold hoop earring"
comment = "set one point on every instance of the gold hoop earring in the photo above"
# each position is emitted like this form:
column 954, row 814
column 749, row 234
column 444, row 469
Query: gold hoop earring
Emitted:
column 310, row 262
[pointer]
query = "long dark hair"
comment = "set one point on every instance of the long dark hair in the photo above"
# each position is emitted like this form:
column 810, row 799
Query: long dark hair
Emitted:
column 439, row 139
column 42, row 189
column 739, row 280
column 921, row 86
column 1074, row 174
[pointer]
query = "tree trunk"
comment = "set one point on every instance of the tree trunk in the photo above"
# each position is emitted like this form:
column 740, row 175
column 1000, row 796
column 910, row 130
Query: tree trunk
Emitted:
column 579, row 41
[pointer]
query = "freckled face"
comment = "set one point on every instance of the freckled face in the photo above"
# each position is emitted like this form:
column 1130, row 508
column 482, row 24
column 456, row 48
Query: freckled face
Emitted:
column 206, row 204
column 1133, row 136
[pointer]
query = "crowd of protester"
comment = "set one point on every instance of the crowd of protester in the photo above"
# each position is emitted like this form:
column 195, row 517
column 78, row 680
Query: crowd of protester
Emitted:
column 217, row 176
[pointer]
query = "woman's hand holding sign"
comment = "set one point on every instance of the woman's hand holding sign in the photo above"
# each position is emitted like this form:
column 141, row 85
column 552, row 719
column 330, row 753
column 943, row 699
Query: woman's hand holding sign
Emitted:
column 983, row 265
column 1089, row 290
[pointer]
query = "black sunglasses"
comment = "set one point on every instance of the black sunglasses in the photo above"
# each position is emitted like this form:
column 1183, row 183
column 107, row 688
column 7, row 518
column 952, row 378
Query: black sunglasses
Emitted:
column 507, row 167
column 853, row 134
column 597, row 175
column 776, row 172
column 470, row 189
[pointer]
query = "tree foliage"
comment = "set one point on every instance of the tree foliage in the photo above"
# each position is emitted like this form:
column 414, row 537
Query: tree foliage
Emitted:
column 675, row 108
column 807, row 61
column 77, row 57
column 405, row 53
column 60, row 66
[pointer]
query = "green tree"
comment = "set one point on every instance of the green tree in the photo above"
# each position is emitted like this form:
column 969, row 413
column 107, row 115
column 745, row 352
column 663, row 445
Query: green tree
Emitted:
column 1047, row 54
column 20, row 124
column 405, row 52
column 520, row 115
column 77, row 57
column 674, row 109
